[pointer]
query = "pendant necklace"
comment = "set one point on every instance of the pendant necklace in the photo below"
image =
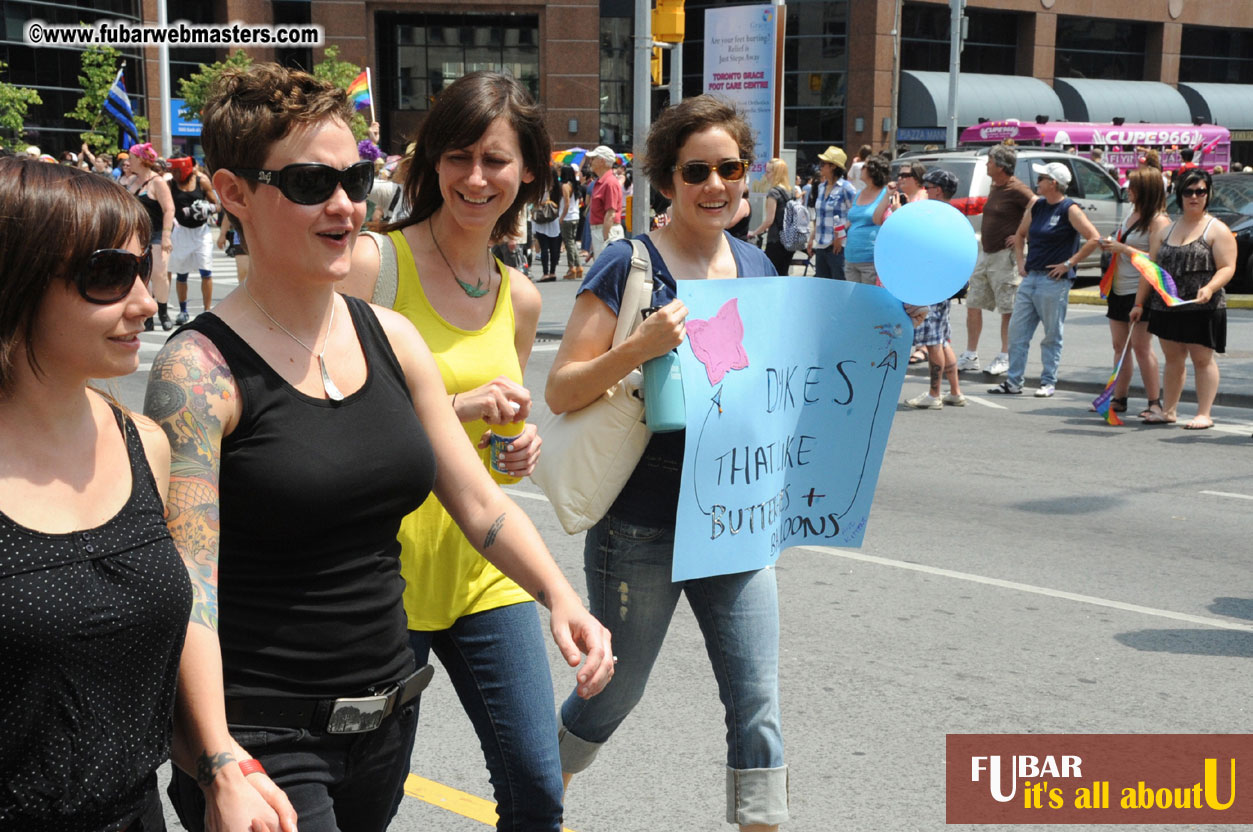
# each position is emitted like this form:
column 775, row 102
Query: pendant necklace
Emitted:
column 332, row 392
column 478, row 290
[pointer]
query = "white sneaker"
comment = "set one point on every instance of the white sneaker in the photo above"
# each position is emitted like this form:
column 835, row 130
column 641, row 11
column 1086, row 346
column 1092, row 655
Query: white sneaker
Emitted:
column 998, row 367
column 925, row 401
column 955, row 399
column 968, row 362
column 1045, row 391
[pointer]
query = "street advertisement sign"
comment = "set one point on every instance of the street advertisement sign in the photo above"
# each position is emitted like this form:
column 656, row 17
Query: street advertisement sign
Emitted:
column 790, row 387
column 740, row 44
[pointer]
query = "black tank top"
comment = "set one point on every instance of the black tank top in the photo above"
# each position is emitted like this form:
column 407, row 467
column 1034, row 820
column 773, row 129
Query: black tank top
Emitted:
column 184, row 214
column 312, row 495
column 155, row 212
column 91, row 629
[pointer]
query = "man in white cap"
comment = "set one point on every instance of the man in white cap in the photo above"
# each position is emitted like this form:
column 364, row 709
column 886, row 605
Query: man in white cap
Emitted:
column 604, row 210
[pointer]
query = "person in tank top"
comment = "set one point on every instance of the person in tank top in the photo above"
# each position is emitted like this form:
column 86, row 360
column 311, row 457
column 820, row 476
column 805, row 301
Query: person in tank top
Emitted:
column 94, row 600
column 147, row 184
column 194, row 205
column 304, row 427
column 1199, row 252
column 484, row 139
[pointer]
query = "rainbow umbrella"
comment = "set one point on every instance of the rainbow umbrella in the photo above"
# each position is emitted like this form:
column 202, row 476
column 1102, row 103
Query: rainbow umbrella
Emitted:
column 570, row 156
column 624, row 158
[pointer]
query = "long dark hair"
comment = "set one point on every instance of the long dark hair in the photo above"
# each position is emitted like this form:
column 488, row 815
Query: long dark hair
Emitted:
column 81, row 211
column 461, row 115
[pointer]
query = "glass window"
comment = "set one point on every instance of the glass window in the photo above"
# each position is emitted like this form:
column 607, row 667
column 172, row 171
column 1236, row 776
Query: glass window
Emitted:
column 1089, row 47
column 1093, row 182
column 990, row 45
column 1223, row 56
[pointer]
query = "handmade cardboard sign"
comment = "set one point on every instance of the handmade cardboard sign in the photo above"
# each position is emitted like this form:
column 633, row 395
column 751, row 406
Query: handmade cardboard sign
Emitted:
column 790, row 387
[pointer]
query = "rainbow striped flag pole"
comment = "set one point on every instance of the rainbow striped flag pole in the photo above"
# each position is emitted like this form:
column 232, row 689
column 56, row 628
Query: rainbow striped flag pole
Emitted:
column 360, row 93
column 1103, row 403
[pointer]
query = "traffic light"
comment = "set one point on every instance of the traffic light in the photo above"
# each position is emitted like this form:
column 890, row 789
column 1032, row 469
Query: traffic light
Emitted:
column 655, row 65
column 668, row 21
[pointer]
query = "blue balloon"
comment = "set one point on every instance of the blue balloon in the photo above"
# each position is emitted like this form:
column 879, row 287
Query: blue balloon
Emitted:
column 925, row 252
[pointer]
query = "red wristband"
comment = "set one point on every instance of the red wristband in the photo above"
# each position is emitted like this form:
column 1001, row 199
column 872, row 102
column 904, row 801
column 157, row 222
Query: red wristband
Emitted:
column 251, row 766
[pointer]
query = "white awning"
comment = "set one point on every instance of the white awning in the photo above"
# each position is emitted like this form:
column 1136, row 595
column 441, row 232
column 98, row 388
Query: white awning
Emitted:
column 1227, row 105
column 1092, row 99
column 924, row 99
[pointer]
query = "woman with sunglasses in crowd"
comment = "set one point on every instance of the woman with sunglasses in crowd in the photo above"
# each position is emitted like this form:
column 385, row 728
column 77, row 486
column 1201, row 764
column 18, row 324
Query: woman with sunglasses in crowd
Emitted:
column 1148, row 197
column 484, row 156
column 697, row 154
column 94, row 600
column 304, row 426
column 1199, row 252
column 146, row 182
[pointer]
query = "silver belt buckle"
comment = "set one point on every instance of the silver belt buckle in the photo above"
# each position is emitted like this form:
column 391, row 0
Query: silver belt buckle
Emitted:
column 356, row 715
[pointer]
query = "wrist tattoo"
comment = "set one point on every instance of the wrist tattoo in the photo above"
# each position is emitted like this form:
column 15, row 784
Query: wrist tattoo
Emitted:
column 208, row 765
column 493, row 531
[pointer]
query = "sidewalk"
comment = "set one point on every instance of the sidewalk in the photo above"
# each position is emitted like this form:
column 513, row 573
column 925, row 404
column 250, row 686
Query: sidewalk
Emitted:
column 1087, row 353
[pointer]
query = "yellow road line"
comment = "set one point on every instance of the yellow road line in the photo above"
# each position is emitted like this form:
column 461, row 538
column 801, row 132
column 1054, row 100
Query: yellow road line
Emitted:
column 452, row 800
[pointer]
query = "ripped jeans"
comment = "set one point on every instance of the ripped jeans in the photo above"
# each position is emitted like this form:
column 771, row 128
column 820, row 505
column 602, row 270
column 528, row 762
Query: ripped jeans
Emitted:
column 629, row 589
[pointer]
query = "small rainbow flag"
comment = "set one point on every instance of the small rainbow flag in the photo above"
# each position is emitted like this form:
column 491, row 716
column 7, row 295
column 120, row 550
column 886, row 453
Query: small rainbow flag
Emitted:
column 1159, row 279
column 359, row 91
column 1103, row 404
column 1107, row 279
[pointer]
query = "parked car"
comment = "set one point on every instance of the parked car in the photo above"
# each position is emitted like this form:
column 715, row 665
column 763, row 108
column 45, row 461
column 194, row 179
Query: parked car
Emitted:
column 1091, row 187
column 1232, row 203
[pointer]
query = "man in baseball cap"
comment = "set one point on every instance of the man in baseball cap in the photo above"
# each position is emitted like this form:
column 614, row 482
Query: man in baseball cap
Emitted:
column 604, row 210
column 1056, row 171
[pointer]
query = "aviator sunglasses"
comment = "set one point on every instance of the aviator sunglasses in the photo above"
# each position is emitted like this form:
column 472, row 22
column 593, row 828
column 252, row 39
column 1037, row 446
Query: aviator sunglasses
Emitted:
column 109, row 274
column 312, row 184
column 729, row 170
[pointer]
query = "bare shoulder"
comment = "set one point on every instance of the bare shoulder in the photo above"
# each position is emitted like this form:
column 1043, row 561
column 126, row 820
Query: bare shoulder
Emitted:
column 523, row 293
column 364, row 271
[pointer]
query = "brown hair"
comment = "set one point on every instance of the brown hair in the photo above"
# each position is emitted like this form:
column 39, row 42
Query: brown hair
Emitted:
column 676, row 124
column 876, row 167
column 1150, row 199
column 250, row 110
column 82, row 211
column 1153, row 159
column 461, row 115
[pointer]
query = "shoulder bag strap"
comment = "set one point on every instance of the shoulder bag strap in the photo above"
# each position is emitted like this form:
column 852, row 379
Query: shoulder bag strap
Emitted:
column 637, row 295
column 385, row 284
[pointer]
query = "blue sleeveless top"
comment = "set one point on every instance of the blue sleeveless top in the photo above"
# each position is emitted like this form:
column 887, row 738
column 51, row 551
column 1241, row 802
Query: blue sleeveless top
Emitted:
column 862, row 232
column 1051, row 238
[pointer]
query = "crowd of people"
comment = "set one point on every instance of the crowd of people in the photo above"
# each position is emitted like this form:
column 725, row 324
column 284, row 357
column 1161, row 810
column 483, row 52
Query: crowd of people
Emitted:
column 250, row 578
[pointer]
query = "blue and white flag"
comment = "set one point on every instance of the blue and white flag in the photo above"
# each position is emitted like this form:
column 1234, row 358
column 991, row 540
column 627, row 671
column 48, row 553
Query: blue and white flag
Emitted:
column 118, row 105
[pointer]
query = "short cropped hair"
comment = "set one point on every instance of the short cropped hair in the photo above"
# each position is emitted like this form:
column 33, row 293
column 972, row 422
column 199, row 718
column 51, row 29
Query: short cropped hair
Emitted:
column 676, row 125
column 250, row 110
column 81, row 211
column 1004, row 158
column 461, row 115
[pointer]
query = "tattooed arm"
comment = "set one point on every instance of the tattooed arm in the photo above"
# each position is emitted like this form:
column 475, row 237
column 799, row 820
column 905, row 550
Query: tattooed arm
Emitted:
column 192, row 397
column 500, row 530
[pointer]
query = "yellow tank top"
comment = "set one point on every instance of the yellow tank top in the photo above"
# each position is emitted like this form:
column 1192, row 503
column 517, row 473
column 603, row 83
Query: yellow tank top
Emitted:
column 445, row 578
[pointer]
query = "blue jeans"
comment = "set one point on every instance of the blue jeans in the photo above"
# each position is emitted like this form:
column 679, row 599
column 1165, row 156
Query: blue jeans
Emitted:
column 336, row 782
column 1040, row 300
column 828, row 263
column 498, row 665
column 630, row 591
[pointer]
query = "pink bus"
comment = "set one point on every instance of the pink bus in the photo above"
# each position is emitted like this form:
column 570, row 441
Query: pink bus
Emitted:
column 1119, row 141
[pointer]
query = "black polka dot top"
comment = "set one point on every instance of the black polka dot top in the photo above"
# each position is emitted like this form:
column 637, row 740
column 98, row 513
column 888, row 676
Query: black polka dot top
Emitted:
column 91, row 628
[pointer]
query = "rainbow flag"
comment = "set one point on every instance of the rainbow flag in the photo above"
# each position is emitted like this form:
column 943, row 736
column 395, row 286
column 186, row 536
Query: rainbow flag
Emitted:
column 1159, row 279
column 1103, row 404
column 1107, row 279
column 359, row 91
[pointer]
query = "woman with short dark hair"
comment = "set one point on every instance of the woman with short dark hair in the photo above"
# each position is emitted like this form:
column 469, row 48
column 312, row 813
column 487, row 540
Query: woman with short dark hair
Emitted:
column 868, row 212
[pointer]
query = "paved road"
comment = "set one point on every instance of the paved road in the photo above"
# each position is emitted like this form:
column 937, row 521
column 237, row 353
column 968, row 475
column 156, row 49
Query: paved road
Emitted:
column 1026, row 569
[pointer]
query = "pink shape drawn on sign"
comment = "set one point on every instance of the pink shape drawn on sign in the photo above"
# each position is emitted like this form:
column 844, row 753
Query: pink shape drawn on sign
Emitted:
column 718, row 342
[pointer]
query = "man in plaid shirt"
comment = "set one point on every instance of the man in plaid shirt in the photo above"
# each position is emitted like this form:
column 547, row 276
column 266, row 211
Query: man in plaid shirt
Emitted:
column 835, row 197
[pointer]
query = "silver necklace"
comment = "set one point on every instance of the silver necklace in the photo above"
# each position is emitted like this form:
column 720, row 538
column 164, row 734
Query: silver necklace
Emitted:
column 332, row 392
column 478, row 290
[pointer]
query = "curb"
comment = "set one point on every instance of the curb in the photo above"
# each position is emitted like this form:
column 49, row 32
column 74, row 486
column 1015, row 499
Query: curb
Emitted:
column 1091, row 296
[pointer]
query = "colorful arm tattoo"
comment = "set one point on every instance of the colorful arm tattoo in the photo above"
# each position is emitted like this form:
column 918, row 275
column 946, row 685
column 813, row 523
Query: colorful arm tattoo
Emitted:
column 190, row 394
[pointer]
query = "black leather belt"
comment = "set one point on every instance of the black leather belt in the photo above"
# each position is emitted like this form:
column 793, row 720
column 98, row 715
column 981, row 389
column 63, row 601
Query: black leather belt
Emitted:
column 346, row 715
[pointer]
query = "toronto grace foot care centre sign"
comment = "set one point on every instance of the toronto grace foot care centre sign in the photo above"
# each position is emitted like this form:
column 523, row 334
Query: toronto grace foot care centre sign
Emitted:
column 790, row 387
column 739, row 67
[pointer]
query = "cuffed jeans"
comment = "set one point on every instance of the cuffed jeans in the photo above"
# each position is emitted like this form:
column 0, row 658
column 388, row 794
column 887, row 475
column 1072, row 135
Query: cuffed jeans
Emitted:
column 1040, row 300
column 630, row 591
column 498, row 665
column 829, row 263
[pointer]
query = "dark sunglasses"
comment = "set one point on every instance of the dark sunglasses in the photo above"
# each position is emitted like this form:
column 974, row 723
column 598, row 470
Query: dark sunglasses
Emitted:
column 1195, row 191
column 905, row 176
column 109, row 274
column 730, row 170
column 312, row 184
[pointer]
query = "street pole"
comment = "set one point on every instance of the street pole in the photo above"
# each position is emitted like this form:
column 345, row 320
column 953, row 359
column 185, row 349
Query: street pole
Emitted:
column 642, row 111
column 163, row 57
column 676, row 74
column 954, row 70
column 896, row 78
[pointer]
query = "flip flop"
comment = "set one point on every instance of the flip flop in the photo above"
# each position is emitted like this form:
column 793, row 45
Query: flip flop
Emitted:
column 1158, row 419
column 1192, row 425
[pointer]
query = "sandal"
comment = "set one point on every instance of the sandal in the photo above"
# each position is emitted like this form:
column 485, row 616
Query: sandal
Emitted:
column 1158, row 419
column 918, row 357
column 1118, row 405
column 1148, row 411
